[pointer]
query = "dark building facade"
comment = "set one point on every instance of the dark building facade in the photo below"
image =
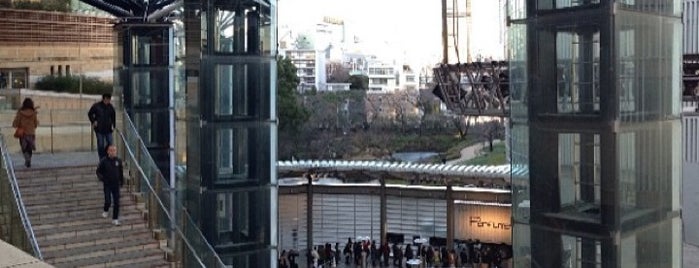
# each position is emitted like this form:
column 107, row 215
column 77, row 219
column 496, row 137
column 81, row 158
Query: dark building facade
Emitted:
column 231, row 127
column 595, row 93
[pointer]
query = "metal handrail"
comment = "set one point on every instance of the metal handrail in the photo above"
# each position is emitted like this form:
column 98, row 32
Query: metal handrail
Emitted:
column 9, row 168
column 128, row 123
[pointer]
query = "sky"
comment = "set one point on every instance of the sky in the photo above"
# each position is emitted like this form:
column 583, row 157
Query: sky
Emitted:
column 408, row 30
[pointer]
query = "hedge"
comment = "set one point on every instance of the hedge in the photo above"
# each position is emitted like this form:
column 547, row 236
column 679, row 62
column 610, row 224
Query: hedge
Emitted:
column 71, row 84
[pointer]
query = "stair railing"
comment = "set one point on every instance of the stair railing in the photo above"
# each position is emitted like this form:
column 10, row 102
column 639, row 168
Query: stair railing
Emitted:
column 165, row 210
column 20, row 232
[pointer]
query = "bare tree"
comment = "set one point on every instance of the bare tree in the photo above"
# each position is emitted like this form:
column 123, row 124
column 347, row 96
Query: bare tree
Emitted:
column 462, row 123
column 337, row 73
column 492, row 130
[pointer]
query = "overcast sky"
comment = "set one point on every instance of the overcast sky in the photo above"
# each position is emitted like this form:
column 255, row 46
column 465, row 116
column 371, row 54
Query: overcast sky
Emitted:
column 393, row 27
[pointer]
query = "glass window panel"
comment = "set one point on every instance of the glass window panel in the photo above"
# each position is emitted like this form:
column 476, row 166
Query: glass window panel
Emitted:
column 239, row 219
column 580, row 252
column 244, row 89
column 518, row 72
column 577, row 72
column 150, row 47
column 579, row 172
column 243, row 27
column 19, row 79
column 647, row 52
column 658, row 7
column 519, row 172
column 560, row 4
column 233, row 158
column 242, row 154
column 517, row 9
column 151, row 87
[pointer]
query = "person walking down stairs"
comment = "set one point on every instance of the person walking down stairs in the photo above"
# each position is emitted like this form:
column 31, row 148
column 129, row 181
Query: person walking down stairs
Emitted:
column 111, row 172
column 25, row 123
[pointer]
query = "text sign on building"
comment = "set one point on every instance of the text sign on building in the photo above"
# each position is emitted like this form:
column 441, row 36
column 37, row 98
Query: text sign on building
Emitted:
column 490, row 224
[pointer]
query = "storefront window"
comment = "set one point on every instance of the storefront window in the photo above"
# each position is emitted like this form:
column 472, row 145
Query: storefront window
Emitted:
column 14, row 78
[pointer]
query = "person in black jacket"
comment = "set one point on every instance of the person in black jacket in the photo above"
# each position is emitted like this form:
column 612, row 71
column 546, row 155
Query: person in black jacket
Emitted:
column 111, row 172
column 103, row 119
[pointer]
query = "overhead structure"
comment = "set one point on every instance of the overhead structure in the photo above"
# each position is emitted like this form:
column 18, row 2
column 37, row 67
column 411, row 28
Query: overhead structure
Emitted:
column 474, row 89
column 137, row 10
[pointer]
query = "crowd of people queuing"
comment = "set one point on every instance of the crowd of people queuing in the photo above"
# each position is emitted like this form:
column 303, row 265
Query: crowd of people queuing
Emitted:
column 367, row 253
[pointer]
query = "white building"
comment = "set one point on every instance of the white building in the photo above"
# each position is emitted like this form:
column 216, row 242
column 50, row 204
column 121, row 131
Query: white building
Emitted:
column 310, row 65
column 382, row 78
column 408, row 79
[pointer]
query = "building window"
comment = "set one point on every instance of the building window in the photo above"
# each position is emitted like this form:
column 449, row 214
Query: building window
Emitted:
column 53, row 71
column 14, row 78
column 577, row 72
column 67, row 70
column 60, row 70
column 574, row 248
column 579, row 173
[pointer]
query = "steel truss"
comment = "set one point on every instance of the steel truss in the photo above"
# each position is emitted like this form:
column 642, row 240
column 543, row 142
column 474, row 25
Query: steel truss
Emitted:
column 474, row 89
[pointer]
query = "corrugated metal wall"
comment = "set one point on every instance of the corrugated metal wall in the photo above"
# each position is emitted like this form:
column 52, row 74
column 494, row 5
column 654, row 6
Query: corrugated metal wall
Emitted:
column 339, row 216
column 690, row 138
column 690, row 178
column 691, row 26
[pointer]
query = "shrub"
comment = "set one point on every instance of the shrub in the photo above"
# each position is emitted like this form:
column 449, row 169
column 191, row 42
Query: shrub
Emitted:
column 47, row 5
column 71, row 84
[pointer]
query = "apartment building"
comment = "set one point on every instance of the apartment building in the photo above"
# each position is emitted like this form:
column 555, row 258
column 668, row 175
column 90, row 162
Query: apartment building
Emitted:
column 310, row 65
column 382, row 78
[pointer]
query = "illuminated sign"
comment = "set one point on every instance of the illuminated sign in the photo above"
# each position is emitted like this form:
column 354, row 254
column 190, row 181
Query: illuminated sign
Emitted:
column 478, row 222
column 491, row 224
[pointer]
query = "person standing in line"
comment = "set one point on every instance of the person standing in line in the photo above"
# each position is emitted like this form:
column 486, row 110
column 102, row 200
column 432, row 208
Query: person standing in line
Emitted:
column 111, row 172
column 26, row 122
column 103, row 119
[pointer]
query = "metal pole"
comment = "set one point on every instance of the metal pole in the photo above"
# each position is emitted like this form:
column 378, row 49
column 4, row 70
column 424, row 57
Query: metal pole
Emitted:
column 51, row 138
column 450, row 216
column 384, row 225
column 309, row 212
column 445, row 40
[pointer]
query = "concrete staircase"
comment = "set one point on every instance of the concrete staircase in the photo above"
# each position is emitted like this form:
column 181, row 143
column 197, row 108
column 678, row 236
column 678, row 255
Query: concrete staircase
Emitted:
column 64, row 205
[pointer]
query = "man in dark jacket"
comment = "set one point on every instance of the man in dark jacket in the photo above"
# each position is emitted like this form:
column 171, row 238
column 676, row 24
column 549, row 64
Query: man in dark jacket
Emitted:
column 103, row 119
column 111, row 172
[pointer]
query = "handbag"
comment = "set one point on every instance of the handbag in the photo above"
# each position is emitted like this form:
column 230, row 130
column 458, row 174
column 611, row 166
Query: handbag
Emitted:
column 19, row 132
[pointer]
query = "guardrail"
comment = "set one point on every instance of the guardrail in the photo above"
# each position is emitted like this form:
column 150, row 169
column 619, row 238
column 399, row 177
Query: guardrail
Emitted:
column 17, row 229
column 165, row 211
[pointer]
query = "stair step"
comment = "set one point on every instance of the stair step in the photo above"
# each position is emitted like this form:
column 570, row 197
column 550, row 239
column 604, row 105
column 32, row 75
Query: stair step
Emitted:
column 52, row 172
column 70, row 221
column 121, row 258
column 84, row 224
column 61, row 186
column 95, row 209
column 101, row 250
column 96, row 239
column 106, row 225
column 68, row 197
column 55, row 180
column 146, row 263
column 65, row 205
column 73, row 206
column 78, row 197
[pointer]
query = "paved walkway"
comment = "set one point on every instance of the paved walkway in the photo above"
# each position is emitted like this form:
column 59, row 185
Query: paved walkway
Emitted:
column 11, row 256
column 470, row 152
